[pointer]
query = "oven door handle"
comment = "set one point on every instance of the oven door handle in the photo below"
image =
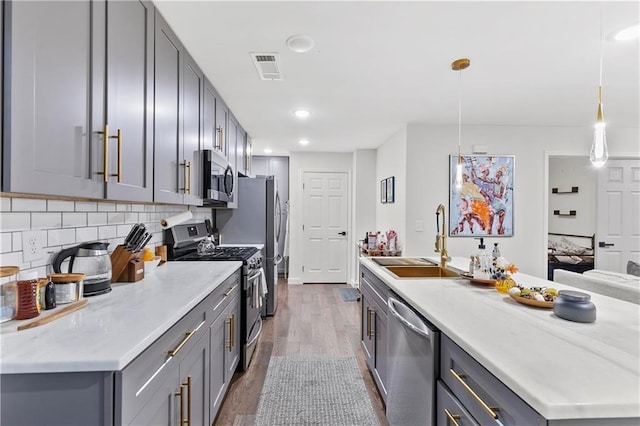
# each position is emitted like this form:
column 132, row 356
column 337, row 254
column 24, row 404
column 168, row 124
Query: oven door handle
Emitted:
column 256, row 275
column 251, row 342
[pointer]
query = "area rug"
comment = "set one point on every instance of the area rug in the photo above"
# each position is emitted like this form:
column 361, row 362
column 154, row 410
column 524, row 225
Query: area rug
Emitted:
column 349, row 294
column 314, row 390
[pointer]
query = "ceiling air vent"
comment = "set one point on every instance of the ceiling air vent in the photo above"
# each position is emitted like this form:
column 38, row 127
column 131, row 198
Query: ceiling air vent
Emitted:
column 267, row 65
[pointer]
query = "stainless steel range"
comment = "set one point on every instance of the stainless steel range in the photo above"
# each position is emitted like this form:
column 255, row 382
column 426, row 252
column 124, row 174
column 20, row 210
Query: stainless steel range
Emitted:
column 182, row 245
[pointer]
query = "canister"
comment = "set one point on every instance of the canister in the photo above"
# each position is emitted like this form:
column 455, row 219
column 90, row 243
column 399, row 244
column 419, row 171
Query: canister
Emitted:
column 28, row 306
column 574, row 306
column 8, row 292
column 68, row 287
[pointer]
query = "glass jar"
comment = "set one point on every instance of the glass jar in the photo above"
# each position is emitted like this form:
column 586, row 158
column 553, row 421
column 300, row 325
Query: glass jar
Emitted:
column 8, row 292
column 574, row 306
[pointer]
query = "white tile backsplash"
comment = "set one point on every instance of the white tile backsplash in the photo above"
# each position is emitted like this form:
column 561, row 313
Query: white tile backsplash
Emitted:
column 6, row 242
column 86, row 206
column 57, row 237
column 106, row 207
column 87, row 234
column 15, row 221
column 28, row 205
column 66, row 223
column 5, row 204
column 74, row 220
column 46, row 220
column 60, row 206
column 96, row 219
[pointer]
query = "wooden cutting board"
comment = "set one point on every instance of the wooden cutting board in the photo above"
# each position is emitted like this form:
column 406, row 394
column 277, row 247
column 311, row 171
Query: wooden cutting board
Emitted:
column 58, row 313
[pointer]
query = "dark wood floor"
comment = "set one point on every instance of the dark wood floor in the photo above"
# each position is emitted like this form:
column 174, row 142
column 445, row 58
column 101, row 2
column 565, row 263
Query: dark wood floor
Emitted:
column 311, row 319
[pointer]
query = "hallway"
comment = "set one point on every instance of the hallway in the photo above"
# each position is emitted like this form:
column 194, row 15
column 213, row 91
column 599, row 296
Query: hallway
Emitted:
column 311, row 319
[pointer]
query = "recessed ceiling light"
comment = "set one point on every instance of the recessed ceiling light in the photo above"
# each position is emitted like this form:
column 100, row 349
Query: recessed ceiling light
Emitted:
column 300, row 43
column 628, row 33
column 301, row 113
column 303, row 142
column 268, row 151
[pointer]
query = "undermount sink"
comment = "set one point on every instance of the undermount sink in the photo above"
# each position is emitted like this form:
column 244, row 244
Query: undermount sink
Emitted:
column 432, row 271
column 402, row 261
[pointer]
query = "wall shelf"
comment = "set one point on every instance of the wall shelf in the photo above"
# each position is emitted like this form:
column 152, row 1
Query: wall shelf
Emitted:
column 574, row 190
column 571, row 213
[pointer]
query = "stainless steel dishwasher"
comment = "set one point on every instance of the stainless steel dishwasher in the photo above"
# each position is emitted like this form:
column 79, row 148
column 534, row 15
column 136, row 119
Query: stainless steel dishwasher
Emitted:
column 413, row 348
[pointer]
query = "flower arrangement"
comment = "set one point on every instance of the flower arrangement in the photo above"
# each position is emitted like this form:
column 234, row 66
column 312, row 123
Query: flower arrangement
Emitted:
column 502, row 275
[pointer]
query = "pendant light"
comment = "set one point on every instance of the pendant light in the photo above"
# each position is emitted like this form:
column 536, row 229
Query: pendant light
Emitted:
column 599, row 153
column 459, row 65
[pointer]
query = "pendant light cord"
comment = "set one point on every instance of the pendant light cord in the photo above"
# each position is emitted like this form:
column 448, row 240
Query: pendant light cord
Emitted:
column 601, row 32
column 460, row 114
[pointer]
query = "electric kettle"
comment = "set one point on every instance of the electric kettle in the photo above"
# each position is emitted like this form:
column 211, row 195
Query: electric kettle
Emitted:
column 91, row 259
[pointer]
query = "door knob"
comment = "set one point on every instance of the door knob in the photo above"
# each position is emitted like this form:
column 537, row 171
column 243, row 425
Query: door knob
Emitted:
column 342, row 233
column 603, row 244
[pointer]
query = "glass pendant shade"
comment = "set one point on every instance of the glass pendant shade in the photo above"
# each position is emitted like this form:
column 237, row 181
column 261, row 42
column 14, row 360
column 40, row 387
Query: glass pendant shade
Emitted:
column 459, row 173
column 599, row 152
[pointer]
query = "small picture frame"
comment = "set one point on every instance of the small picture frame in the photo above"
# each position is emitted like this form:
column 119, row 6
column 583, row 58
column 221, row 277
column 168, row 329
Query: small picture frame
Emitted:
column 383, row 191
column 391, row 189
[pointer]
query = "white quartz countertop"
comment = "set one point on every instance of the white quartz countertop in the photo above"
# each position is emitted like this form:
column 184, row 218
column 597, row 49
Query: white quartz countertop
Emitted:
column 115, row 327
column 563, row 369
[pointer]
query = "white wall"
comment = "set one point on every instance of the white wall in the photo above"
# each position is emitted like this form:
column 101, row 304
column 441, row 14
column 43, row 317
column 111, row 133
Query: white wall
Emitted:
column 300, row 162
column 565, row 172
column 391, row 161
column 428, row 150
column 365, row 197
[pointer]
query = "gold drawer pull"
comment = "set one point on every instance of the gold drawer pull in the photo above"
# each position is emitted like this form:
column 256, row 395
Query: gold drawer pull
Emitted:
column 184, row 341
column 452, row 417
column 490, row 410
column 180, row 394
column 230, row 290
column 372, row 323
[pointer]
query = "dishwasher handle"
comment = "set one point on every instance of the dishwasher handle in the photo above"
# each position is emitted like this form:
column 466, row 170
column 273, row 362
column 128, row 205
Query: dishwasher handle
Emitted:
column 407, row 317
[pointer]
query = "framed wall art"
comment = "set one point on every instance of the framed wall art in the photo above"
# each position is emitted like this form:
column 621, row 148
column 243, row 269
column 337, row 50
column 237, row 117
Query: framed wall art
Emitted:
column 383, row 191
column 391, row 189
column 483, row 206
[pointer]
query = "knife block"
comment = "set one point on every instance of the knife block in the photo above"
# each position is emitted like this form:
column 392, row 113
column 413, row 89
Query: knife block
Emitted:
column 120, row 259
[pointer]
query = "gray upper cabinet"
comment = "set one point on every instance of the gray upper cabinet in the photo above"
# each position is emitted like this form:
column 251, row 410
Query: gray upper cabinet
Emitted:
column 130, row 99
column 231, row 138
column 178, row 120
column 61, row 99
column 50, row 145
column 240, row 151
column 193, row 103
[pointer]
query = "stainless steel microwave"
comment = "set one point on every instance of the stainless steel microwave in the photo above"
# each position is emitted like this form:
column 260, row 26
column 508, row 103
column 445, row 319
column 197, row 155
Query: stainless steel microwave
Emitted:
column 218, row 182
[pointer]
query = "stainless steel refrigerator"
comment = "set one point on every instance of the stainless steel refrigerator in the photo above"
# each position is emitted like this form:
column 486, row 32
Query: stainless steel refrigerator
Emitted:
column 256, row 221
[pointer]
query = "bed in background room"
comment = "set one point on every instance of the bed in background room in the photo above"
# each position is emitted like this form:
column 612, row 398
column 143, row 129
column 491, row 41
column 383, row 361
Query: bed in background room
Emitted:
column 570, row 252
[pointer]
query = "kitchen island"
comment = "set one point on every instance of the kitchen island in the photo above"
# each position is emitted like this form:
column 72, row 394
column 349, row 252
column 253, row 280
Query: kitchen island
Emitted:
column 568, row 372
column 126, row 351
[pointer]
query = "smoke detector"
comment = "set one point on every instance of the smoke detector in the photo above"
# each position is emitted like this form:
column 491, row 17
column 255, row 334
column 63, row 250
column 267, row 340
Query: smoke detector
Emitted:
column 300, row 43
column 268, row 65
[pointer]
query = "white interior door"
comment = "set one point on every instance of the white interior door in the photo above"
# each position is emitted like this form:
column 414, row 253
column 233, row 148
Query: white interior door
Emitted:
column 325, row 220
column 618, row 215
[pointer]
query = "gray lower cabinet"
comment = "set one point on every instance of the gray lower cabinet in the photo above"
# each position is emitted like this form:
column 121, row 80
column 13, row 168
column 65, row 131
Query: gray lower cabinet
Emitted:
column 225, row 349
column 374, row 327
column 479, row 392
column 169, row 383
column 72, row 69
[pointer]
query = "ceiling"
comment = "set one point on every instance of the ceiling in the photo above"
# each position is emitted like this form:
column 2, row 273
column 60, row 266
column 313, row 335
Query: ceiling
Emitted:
column 379, row 65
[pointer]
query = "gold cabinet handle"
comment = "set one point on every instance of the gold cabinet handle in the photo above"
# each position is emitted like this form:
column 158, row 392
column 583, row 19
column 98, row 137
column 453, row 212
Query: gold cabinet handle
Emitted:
column 188, row 384
column 119, row 138
column 228, row 342
column 180, row 394
column 105, row 160
column 368, row 324
column 371, row 323
column 490, row 410
column 219, row 144
column 184, row 175
column 187, row 337
column 233, row 331
column 452, row 417
column 189, row 176
column 230, row 290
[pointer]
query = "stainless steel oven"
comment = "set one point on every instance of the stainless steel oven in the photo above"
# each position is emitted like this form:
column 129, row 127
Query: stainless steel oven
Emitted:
column 218, row 182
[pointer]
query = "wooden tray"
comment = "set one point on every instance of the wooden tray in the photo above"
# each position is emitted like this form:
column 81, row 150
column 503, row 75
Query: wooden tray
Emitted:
column 532, row 302
column 478, row 281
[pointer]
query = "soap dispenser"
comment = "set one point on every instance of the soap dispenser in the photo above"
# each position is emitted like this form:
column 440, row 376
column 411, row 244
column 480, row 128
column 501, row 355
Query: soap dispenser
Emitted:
column 496, row 251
